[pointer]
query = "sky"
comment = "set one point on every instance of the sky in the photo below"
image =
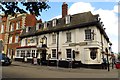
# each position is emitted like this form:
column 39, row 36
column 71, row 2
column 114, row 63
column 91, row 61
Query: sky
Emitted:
column 108, row 12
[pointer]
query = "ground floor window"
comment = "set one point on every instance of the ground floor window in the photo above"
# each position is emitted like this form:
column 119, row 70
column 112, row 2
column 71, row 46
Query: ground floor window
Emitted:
column 68, row 51
column 22, row 53
column 93, row 53
column 18, row 53
column 28, row 53
column 37, row 52
column 33, row 53
column 53, row 53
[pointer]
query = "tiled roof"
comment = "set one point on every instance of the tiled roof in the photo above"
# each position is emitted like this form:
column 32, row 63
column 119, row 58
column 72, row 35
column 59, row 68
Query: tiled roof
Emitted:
column 77, row 21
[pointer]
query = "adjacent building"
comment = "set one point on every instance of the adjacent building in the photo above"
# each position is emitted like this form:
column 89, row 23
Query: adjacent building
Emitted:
column 11, row 28
column 78, row 39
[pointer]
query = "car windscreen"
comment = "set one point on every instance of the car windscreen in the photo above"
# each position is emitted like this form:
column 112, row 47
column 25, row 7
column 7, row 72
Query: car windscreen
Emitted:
column 0, row 56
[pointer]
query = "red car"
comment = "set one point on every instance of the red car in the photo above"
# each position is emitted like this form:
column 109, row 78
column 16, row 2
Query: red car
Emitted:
column 117, row 65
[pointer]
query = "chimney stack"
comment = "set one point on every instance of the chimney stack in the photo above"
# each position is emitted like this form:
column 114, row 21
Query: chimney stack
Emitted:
column 64, row 9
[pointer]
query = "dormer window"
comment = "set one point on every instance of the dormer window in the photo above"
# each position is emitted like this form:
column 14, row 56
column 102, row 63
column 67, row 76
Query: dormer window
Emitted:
column 28, row 29
column 54, row 22
column 67, row 19
column 45, row 25
column 38, row 26
column 12, row 27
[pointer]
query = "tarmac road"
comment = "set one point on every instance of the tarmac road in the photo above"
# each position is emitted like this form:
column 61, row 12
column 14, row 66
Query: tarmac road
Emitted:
column 27, row 70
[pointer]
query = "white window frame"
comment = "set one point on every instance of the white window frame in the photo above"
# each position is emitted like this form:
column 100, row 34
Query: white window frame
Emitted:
column 67, row 19
column 93, row 53
column 69, row 54
column 10, row 39
column 18, row 53
column 12, row 27
column 45, row 25
column 33, row 53
column 54, row 54
column 88, row 35
column 22, row 53
column 53, row 38
column 16, row 38
column 68, row 37
column 17, row 25
column 37, row 26
column 54, row 22
column 28, row 53
column 2, row 28
column 27, row 29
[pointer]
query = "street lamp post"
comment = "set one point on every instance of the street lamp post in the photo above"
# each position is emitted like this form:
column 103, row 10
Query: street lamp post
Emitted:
column 107, row 59
column 57, row 48
column 43, row 45
column 41, row 41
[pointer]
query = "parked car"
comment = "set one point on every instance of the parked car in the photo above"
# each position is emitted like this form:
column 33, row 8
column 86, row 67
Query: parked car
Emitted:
column 4, row 60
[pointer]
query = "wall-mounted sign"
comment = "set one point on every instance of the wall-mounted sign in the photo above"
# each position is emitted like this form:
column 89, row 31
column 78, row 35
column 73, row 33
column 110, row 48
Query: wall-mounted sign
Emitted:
column 31, row 40
column 80, row 44
column 83, row 43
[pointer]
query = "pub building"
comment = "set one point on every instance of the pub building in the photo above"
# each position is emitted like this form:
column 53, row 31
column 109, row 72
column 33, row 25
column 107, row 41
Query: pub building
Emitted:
column 77, row 40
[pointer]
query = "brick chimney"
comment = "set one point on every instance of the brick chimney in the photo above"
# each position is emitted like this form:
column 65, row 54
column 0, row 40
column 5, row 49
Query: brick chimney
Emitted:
column 64, row 9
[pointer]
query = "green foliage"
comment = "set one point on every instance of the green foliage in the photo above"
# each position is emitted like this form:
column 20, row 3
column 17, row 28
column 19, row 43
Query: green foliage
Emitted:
column 11, row 8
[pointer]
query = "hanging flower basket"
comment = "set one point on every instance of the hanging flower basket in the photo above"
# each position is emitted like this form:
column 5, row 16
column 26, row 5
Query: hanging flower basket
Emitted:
column 59, row 52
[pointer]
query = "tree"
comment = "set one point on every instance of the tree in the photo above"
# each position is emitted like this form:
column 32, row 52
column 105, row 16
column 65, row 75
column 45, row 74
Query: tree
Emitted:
column 11, row 8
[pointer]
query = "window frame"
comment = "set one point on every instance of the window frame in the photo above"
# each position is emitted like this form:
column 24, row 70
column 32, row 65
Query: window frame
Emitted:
column 33, row 53
column 17, row 25
column 2, row 28
column 22, row 53
column 16, row 38
column 45, row 25
column 93, row 53
column 10, row 39
column 54, row 21
column 53, row 38
column 67, row 19
column 69, row 54
column 54, row 53
column 28, row 54
column 68, row 37
column 12, row 27
column 88, row 34
column 18, row 53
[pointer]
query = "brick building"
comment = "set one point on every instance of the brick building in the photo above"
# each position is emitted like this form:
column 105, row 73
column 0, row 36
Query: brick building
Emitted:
column 11, row 28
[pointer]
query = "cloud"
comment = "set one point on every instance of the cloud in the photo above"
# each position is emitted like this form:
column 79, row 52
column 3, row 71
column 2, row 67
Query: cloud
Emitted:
column 109, row 19
column 80, row 7
column 116, row 8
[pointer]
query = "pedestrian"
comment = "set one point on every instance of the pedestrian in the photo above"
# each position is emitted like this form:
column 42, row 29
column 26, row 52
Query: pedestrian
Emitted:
column 104, row 64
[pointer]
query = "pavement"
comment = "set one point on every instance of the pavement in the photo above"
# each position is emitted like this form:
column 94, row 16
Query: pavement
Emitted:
column 30, row 65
